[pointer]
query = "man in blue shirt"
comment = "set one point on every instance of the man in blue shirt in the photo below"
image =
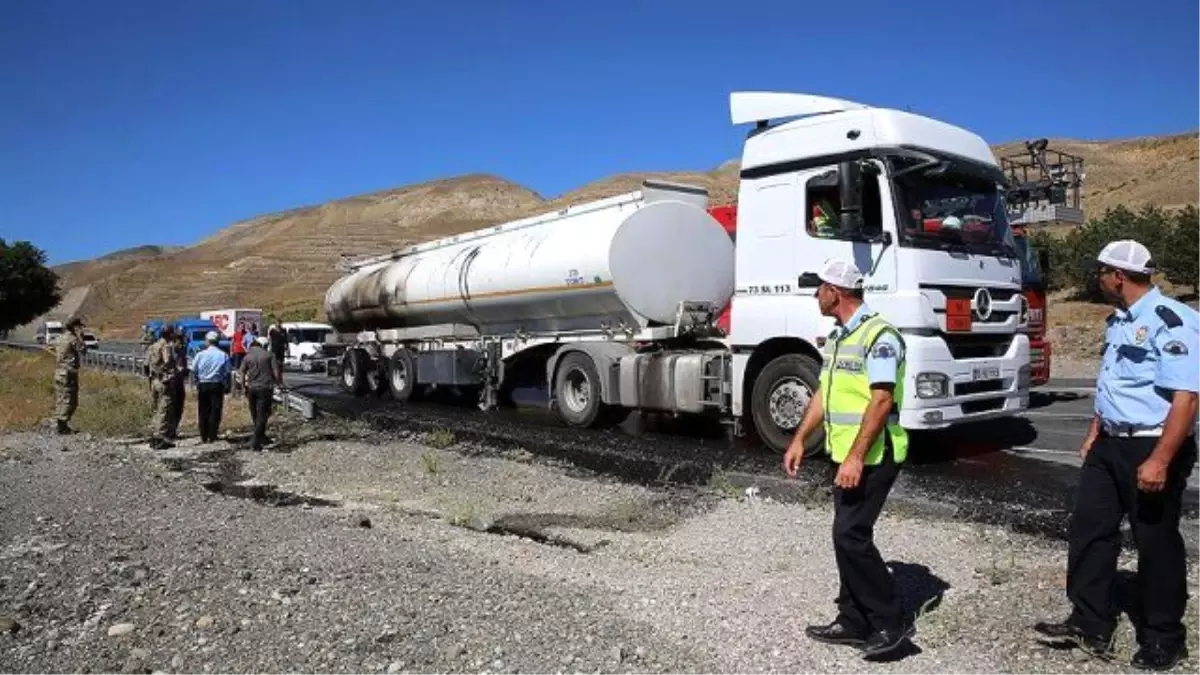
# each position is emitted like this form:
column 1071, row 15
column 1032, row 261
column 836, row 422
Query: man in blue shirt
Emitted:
column 1138, row 454
column 211, row 370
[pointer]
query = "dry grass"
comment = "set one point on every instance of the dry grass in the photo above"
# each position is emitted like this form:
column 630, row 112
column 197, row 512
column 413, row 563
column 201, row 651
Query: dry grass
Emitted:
column 110, row 405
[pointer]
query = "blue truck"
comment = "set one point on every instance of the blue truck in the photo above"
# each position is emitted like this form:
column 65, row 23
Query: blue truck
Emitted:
column 193, row 329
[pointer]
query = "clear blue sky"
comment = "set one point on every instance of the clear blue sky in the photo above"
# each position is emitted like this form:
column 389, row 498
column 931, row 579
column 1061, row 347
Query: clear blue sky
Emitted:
column 124, row 123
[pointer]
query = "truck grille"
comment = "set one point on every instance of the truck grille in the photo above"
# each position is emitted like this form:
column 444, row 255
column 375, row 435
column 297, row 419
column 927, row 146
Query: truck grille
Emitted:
column 981, row 387
column 977, row 345
column 999, row 296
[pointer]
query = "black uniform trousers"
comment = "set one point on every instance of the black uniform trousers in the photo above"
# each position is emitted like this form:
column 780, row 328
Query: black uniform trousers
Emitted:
column 210, row 400
column 260, row 401
column 867, row 598
column 1107, row 492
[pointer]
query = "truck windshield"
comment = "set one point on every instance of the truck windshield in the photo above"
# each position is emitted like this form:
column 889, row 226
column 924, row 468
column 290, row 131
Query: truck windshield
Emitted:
column 1031, row 271
column 951, row 210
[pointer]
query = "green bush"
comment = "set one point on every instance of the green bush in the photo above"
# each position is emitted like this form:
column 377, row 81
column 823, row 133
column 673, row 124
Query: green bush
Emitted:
column 1172, row 237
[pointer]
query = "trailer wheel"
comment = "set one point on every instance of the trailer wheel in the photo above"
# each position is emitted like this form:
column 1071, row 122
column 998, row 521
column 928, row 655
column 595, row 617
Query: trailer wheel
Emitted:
column 780, row 396
column 401, row 375
column 354, row 366
column 577, row 390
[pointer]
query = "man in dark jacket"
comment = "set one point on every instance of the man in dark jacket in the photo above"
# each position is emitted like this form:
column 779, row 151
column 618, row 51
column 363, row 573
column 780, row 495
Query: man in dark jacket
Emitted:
column 258, row 377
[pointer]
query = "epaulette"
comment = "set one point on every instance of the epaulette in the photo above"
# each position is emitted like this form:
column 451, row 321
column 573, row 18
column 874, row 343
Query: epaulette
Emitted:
column 1169, row 317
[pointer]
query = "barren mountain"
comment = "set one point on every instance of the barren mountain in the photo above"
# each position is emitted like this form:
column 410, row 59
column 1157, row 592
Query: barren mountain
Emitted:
column 286, row 260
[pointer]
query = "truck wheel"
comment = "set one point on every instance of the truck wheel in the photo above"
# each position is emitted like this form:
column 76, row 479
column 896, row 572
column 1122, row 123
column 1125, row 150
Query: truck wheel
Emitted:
column 401, row 375
column 354, row 366
column 780, row 396
column 577, row 390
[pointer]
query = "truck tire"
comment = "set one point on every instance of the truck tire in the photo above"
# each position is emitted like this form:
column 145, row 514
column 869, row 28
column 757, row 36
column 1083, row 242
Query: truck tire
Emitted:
column 778, row 401
column 577, row 390
column 401, row 375
column 354, row 366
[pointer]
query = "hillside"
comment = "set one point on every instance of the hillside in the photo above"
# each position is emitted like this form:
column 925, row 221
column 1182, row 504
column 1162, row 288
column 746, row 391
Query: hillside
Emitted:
column 287, row 259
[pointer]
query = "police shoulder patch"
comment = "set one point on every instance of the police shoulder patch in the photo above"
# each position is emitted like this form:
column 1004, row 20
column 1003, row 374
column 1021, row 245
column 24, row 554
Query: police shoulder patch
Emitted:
column 1175, row 348
column 1168, row 316
column 883, row 350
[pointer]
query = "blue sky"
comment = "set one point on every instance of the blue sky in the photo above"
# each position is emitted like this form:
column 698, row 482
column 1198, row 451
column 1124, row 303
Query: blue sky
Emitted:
column 124, row 123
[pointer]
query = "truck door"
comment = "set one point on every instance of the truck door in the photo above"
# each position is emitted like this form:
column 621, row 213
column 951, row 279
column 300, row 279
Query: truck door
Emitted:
column 821, row 238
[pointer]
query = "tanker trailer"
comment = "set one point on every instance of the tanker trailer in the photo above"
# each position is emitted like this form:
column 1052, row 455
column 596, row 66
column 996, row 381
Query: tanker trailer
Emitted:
column 610, row 304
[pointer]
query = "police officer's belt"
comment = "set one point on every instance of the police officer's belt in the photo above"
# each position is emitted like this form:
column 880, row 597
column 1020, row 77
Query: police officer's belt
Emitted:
column 1129, row 430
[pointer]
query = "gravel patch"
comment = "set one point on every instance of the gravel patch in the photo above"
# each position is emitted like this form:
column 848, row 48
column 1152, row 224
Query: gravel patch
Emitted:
column 114, row 561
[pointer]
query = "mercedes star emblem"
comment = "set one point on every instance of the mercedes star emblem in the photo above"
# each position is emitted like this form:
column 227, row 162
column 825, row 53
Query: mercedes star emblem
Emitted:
column 983, row 303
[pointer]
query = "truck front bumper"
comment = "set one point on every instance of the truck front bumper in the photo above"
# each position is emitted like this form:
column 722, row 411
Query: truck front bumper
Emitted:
column 941, row 390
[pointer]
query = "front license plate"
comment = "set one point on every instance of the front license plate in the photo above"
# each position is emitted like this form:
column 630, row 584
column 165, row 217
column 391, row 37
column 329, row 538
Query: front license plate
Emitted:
column 989, row 373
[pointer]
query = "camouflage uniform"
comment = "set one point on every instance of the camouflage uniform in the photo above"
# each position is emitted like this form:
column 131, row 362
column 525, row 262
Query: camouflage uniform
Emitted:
column 68, row 350
column 163, row 370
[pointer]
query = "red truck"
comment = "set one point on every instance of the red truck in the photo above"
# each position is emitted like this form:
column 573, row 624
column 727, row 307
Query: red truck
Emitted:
column 1034, row 263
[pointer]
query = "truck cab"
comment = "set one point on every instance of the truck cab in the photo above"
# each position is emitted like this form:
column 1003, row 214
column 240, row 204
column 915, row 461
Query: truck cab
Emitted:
column 860, row 183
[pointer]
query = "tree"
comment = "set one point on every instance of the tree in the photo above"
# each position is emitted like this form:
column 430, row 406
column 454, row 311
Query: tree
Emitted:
column 1180, row 251
column 28, row 289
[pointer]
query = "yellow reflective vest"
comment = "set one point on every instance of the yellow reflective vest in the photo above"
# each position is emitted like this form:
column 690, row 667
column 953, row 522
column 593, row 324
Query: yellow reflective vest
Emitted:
column 846, row 391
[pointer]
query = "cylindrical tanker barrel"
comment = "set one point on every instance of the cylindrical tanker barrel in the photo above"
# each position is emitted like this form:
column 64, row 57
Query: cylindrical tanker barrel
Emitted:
column 625, row 264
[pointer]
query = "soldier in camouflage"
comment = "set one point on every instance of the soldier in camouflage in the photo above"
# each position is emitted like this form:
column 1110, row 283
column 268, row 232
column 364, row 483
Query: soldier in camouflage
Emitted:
column 162, row 367
column 68, row 352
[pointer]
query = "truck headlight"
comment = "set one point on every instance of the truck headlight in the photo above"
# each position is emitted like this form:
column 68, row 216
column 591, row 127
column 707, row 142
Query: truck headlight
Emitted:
column 932, row 385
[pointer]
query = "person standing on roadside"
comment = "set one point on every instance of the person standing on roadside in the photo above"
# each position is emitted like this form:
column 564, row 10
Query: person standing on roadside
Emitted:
column 178, row 385
column 1137, row 456
column 211, row 370
column 161, row 368
column 237, row 348
column 67, row 354
column 258, row 375
column 857, row 402
column 279, row 343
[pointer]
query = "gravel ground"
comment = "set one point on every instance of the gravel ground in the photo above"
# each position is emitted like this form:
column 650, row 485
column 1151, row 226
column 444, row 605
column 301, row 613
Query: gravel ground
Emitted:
column 1074, row 367
column 113, row 561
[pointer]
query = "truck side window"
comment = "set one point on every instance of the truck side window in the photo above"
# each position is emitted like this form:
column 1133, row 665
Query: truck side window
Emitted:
column 821, row 198
column 823, row 217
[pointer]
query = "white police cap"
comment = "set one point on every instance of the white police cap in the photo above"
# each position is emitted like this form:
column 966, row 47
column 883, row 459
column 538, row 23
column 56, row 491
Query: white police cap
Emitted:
column 841, row 273
column 1128, row 255
column 211, row 336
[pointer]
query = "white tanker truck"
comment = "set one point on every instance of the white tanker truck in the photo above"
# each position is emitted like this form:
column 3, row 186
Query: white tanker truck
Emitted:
column 611, row 305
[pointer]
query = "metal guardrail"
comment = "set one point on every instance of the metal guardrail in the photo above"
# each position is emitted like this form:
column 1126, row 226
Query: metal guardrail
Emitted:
column 132, row 364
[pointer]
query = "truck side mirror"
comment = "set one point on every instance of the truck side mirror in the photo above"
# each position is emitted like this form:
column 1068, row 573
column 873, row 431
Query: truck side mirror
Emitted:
column 850, row 187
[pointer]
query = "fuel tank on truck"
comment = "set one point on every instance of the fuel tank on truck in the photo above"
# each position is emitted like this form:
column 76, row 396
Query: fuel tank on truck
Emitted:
column 623, row 262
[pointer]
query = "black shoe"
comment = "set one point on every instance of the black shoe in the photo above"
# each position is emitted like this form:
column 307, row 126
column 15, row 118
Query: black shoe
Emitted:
column 837, row 633
column 1159, row 655
column 886, row 640
column 62, row 429
column 1099, row 646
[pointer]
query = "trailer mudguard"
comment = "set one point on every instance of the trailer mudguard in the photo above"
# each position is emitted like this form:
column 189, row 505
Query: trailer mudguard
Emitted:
column 604, row 355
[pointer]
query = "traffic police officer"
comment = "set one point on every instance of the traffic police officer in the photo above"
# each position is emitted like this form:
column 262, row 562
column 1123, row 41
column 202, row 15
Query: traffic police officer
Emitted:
column 857, row 401
column 1137, row 456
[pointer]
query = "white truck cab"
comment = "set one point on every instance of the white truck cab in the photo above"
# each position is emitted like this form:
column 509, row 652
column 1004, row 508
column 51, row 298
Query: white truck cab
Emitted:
column 306, row 341
column 917, row 206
